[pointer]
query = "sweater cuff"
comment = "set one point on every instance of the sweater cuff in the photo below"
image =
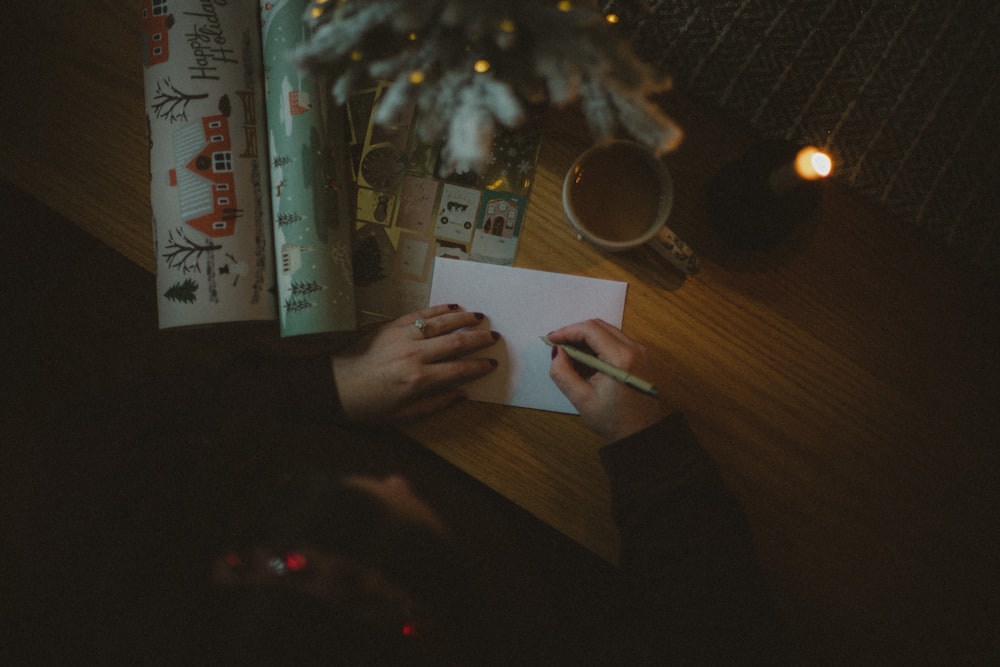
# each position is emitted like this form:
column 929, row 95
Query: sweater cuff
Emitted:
column 303, row 384
column 649, row 457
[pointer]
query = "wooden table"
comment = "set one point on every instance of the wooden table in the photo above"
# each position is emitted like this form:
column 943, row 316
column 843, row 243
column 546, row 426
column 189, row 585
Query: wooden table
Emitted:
column 847, row 387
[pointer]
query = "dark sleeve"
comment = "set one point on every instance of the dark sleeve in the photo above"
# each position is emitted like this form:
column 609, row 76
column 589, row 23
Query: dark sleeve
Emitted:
column 304, row 385
column 687, row 553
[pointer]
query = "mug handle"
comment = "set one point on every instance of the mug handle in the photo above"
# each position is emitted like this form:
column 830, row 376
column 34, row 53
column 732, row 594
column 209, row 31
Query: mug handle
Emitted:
column 675, row 251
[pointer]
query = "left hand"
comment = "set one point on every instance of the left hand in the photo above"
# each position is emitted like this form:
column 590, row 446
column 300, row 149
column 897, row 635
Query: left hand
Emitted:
column 401, row 371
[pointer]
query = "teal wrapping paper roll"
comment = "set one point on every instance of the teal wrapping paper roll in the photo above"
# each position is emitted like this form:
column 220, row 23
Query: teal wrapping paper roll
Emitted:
column 208, row 181
column 310, row 184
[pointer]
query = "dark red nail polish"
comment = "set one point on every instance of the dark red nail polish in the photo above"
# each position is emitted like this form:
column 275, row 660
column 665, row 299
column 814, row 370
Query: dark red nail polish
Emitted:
column 480, row 316
column 496, row 336
column 453, row 306
column 555, row 351
column 493, row 363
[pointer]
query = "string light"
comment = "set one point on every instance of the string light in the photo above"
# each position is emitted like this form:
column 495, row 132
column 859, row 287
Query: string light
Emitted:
column 417, row 77
column 482, row 66
column 564, row 5
column 612, row 18
column 318, row 10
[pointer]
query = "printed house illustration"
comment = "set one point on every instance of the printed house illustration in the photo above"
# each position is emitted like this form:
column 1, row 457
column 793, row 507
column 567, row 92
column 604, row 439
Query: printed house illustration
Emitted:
column 204, row 178
column 298, row 102
column 156, row 23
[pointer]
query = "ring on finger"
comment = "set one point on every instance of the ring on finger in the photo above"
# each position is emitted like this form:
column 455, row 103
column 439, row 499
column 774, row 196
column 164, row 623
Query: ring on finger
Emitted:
column 421, row 326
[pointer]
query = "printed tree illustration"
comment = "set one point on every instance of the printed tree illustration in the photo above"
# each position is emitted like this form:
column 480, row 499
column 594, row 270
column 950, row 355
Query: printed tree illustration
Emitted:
column 301, row 287
column 183, row 292
column 282, row 160
column 285, row 219
column 297, row 304
column 171, row 103
column 184, row 254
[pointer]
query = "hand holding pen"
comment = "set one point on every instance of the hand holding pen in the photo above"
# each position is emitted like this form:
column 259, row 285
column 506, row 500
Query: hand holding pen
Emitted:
column 605, row 400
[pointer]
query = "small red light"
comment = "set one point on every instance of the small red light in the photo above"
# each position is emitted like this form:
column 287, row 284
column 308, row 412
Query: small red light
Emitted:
column 296, row 561
column 233, row 559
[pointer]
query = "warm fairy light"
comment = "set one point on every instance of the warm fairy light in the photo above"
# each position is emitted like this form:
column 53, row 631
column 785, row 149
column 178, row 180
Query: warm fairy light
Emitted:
column 417, row 77
column 356, row 56
column 812, row 164
column 612, row 18
column 507, row 26
column 412, row 36
column 564, row 5
column 482, row 66
column 317, row 12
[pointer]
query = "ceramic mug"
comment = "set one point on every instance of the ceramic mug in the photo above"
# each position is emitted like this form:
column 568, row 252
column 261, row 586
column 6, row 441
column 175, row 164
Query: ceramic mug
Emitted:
column 618, row 196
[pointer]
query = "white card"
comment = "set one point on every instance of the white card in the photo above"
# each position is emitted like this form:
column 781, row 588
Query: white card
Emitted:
column 523, row 305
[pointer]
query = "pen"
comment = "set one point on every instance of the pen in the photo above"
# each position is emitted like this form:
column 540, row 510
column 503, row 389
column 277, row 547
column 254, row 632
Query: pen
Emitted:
column 613, row 372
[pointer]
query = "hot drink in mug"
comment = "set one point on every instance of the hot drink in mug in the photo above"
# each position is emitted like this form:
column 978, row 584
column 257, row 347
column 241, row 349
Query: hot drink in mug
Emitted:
column 618, row 195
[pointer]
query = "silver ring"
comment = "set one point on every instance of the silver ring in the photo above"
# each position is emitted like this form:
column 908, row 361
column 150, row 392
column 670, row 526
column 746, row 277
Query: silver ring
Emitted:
column 421, row 326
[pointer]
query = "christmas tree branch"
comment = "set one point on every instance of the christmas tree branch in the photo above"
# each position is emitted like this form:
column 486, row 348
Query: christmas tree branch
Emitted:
column 471, row 66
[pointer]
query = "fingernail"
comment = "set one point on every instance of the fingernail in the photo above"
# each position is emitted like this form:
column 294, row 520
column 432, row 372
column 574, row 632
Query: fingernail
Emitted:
column 453, row 306
column 495, row 334
column 480, row 316
column 493, row 363
column 555, row 351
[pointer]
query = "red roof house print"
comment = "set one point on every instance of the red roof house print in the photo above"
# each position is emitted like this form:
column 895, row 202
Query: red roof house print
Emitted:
column 204, row 178
column 156, row 23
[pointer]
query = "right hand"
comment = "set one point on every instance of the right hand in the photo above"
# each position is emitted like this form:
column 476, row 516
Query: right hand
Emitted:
column 607, row 406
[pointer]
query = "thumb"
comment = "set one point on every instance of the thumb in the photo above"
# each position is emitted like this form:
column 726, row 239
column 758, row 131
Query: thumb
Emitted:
column 569, row 382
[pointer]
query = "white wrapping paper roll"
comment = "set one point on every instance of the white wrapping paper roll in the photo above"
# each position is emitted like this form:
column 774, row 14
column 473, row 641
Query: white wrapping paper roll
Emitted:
column 208, row 171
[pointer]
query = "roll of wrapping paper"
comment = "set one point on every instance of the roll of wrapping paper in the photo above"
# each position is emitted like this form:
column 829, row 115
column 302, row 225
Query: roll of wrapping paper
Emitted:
column 309, row 183
column 208, row 189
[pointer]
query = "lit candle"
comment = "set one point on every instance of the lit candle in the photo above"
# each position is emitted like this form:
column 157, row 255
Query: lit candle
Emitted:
column 810, row 164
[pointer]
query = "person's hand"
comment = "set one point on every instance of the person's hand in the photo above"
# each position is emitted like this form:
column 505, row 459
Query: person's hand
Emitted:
column 401, row 371
column 607, row 406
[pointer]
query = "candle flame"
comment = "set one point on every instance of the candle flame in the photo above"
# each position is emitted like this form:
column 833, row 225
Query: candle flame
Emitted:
column 812, row 164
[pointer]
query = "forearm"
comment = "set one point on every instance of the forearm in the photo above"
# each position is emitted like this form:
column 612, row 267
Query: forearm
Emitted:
column 303, row 385
column 687, row 549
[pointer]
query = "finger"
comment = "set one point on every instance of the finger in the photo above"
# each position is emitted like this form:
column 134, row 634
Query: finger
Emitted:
column 451, row 374
column 458, row 344
column 453, row 321
column 569, row 382
column 428, row 313
column 439, row 325
column 607, row 341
